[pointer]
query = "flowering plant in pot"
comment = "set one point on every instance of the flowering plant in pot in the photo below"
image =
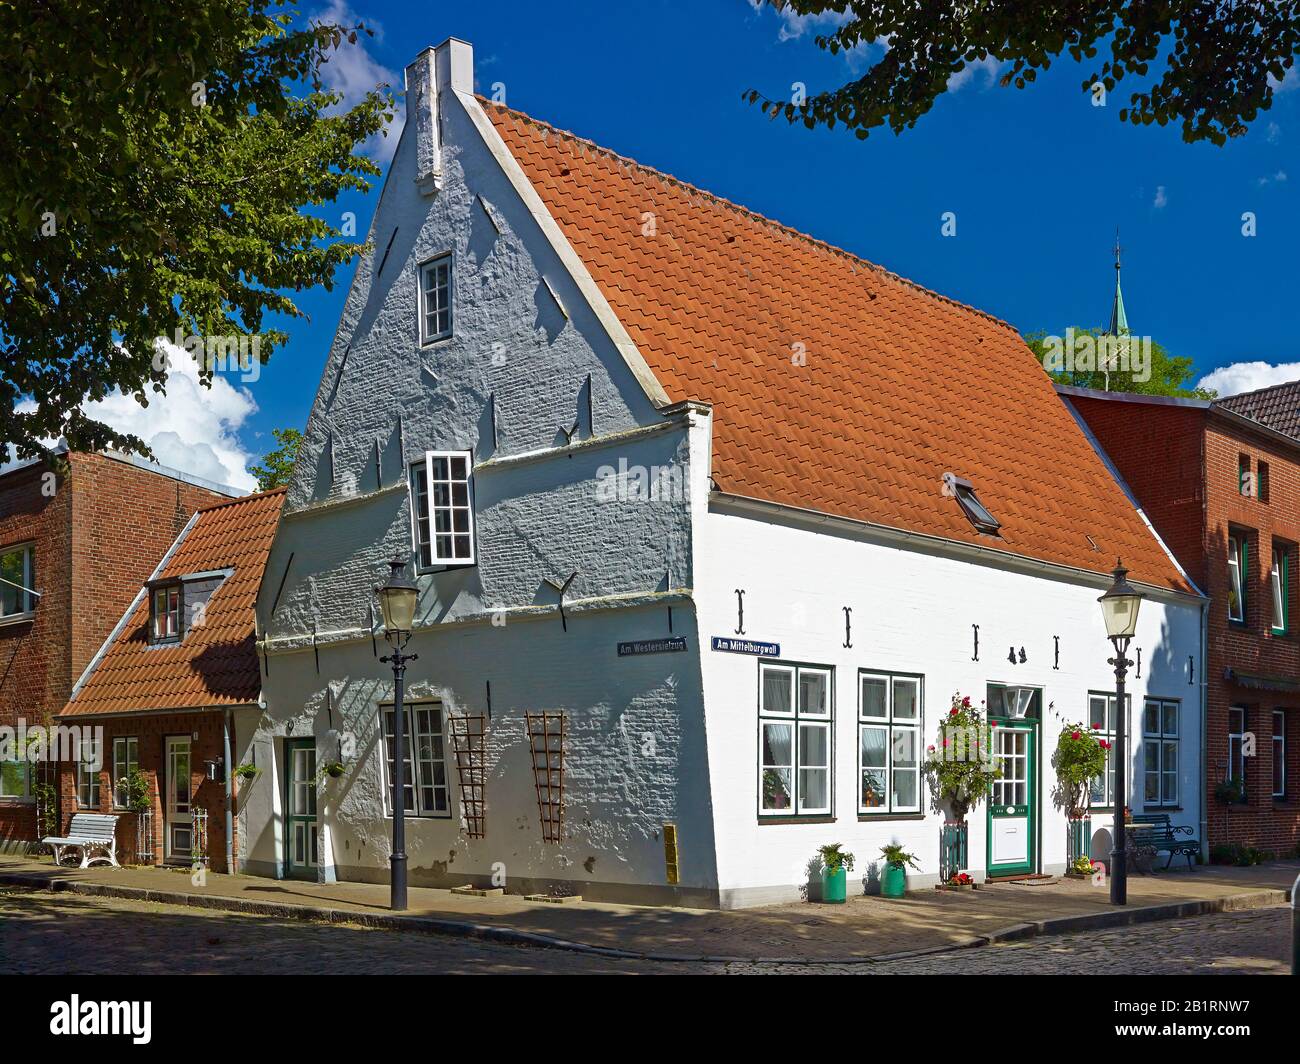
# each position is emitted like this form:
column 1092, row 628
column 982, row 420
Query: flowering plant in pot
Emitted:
column 960, row 767
column 836, row 863
column 1079, row 759
column 893, row 881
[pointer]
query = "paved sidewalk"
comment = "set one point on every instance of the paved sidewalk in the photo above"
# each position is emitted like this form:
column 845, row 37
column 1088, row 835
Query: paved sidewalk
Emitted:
column 866, row 928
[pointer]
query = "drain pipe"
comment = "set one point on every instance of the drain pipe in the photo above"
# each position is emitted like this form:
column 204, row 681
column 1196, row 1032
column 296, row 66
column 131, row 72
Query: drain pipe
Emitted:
column 230, row 846
column 1205, row 752
column 1295, row 926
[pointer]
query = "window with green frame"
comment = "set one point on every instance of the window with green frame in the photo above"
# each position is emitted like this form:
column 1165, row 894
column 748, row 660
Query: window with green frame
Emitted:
column 1238, row 576
column 1280, row 580
column 794, row 740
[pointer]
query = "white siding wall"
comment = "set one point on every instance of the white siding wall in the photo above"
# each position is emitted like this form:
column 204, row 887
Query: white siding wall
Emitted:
column 912, row 612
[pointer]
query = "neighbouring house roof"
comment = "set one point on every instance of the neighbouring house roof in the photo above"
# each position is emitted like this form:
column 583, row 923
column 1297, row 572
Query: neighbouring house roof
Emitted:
column 216, row 663
column 900, row 385
column 1277, row 408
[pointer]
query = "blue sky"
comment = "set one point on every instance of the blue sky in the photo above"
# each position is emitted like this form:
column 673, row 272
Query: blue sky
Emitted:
column 1038, row 178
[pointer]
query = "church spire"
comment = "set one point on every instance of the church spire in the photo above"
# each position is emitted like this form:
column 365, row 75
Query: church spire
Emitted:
column 1118, row 319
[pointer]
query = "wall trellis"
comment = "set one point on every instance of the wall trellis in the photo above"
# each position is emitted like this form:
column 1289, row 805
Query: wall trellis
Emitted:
column 546, row 738
column 469, row 743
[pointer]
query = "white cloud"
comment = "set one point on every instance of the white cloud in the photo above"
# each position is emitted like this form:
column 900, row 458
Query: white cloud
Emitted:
column 1290, row 80
column 353, row 72
column 986, row 69
column 1274, row 133
column 1267, row 179
column 1161, row 199
column 191, row 428
column 1248, row 376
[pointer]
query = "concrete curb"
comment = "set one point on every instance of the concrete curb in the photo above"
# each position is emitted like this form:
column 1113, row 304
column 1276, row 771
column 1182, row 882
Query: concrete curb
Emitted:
column 1059, row 925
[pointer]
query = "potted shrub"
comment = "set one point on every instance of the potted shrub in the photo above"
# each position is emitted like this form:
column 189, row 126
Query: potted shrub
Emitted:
column 1230, row 791
column 247, row 772
column 1080, row 868
column 1079, row 759
column 960, row 772
column 332, row 769
column 775, row 794
column 893, row 881
column 836, row 864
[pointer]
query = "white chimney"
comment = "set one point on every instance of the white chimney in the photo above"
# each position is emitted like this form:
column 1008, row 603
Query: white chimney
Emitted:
column 434, row 73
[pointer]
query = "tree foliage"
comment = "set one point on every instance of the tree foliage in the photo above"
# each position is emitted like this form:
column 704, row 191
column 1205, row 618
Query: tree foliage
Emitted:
column 159, row 158
column 1210, row 65
column 1147, row 368
column 277, row 466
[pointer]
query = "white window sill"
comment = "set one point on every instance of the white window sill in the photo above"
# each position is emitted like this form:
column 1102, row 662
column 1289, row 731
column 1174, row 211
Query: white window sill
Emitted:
column 18, row 618
column 6, row 799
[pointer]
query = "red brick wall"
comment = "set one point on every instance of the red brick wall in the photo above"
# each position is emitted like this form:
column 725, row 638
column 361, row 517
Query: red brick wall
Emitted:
column 1252, row 648
column 151, row 730
column 1182, row 465
column 98, row 537
column 1158, row 452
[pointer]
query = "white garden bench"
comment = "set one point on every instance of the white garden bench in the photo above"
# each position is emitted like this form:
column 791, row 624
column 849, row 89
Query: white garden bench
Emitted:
column 92, row 834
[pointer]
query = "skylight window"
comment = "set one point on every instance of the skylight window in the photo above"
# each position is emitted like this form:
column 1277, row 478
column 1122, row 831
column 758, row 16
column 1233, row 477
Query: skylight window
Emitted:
column 976, row 512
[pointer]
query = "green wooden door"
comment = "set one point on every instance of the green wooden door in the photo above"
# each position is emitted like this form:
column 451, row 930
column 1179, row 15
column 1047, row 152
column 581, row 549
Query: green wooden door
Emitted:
column 1013, row 805
column 300, row 831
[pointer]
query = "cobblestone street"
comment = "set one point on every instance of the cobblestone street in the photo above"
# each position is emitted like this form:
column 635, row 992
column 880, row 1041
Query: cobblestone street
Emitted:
column 47, row 933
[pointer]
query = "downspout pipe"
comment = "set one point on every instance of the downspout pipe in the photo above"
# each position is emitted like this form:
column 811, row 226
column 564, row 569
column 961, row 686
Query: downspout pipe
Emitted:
column 1205, row 752
column 230, row 814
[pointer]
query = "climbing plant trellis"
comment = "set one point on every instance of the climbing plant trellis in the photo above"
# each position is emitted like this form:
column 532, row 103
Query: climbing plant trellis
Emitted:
column 546, row 737
column 469, row 743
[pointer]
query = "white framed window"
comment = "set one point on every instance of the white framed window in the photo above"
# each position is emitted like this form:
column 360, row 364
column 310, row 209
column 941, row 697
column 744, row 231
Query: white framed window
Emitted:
column 442, row 509
column 1279, row 578
column 88, row 764
column 425, row 785
column 1160, row 730
column 794, row 740
column 1279, row 753
column 435, row 299
column 126, row 759
column 1101, row 719
column 1237, row 746
column 889, row 743
column 17, row 581
column 16, row 779
column 1238, row 572
column 166, row 613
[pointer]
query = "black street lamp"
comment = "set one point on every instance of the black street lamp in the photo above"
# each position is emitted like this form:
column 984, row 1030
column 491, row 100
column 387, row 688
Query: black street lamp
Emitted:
column 397, row 603
column 1119, row 606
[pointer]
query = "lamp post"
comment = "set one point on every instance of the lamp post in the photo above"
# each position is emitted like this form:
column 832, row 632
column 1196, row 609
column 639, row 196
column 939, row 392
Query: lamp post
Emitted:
column 397, row 604
column 1119, row 607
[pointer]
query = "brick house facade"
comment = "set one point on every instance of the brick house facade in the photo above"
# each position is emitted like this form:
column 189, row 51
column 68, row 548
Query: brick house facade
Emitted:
column 169, row 688
column 87, row 535
column 1223, row 491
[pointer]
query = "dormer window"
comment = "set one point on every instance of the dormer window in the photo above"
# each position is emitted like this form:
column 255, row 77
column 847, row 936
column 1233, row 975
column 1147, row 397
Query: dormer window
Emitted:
column 165, row 626
column 976, row 512
column 435, row 299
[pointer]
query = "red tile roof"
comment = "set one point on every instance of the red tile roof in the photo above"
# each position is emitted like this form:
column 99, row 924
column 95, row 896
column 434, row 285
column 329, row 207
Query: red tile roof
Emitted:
column 900, row 385
column 216, row 664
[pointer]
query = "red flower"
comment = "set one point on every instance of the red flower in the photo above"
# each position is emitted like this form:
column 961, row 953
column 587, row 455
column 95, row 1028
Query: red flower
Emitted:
column 966, row 701
column 1074, row 735
column 1105, row 745
column 1096, row 727
column 930, row 749
column 952, row 712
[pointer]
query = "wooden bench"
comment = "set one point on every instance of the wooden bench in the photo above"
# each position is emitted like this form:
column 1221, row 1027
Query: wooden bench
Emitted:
column 91, row 833
column 1165, row 837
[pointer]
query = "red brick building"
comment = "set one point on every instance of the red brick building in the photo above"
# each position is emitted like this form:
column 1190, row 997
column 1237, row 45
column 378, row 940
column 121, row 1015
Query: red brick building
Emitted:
column 159, row 701
column 1221, row 486
column 74, row 547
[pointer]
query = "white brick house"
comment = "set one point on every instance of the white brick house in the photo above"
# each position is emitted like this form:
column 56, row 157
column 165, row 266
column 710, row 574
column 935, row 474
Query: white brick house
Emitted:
column 602, row 412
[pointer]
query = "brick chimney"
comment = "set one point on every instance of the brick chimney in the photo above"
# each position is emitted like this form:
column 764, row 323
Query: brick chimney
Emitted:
column 434, row 72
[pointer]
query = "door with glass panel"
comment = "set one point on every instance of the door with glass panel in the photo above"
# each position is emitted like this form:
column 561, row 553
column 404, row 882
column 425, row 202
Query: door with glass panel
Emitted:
column 1013, row 829
column 178, row 829
column 300, row 830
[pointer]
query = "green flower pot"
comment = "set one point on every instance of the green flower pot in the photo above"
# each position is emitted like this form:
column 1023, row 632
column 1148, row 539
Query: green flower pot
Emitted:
column 835, row 885
column 893, row 881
